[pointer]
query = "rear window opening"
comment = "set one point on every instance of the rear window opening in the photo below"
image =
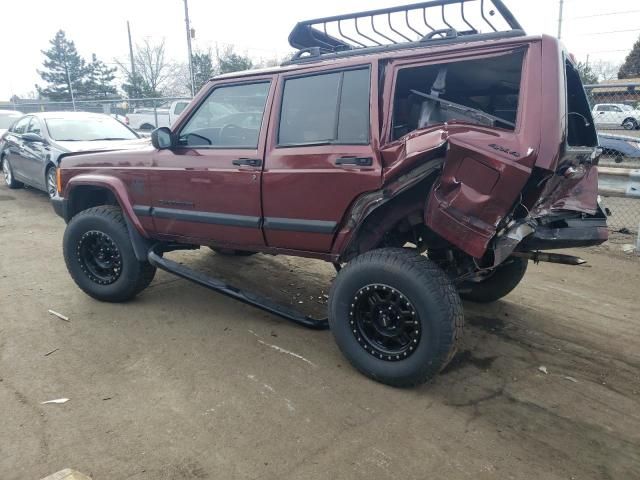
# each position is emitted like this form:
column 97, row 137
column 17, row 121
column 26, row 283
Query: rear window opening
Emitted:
column 482, row 92
column 581, row 131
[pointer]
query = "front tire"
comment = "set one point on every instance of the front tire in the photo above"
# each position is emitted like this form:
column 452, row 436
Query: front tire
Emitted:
column 396, row 316
column 630, row 124
column 51, row 181
column 498, row 284
column 100, row 258
column 7, row 173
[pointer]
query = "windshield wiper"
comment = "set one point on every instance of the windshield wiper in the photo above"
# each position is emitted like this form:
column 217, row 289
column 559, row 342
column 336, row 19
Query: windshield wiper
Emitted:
column 457, row 107
column 107, row 138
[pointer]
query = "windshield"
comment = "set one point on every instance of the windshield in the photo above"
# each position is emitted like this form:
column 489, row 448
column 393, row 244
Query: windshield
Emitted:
column 626, row 108
column 88, row 129
column 7, row 120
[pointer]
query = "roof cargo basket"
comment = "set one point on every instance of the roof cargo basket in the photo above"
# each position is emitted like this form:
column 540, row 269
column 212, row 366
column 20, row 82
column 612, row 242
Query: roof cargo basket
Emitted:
column 401, row 27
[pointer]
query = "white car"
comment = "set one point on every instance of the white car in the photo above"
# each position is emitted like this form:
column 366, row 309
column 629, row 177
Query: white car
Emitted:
column 616, row 115
column 7, row 117
column 147, row 119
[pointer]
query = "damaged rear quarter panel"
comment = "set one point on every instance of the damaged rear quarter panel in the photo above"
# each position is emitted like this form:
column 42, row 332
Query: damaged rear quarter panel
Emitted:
column 485, row 169
column 478, row 187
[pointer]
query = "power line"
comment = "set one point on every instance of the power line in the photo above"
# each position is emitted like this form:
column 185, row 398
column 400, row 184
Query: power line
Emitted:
column 608, row 32
column 604, row 14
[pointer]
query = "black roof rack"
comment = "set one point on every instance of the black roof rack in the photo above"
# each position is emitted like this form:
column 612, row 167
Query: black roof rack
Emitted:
column 402, row 27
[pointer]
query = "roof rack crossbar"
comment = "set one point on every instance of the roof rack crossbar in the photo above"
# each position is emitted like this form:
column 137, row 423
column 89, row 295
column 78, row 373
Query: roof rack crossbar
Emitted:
column 406, row 17
column 394, row 30
column 341, row 33
column 375, row 42
column 347, row 37
column 485, row 18
column 464, row 19
column 444, row 17
column 381, row 34
column 424, row 17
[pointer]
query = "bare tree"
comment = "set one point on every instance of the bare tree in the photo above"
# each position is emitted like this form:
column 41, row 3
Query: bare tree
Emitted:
column 152, row 71
column 605, row 70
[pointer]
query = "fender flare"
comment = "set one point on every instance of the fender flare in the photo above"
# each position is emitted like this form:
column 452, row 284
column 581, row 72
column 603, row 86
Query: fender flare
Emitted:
column 139, row 237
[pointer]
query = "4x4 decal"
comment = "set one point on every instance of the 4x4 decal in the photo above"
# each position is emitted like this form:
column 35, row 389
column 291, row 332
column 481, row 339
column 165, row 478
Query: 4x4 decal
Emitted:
column 504, row 150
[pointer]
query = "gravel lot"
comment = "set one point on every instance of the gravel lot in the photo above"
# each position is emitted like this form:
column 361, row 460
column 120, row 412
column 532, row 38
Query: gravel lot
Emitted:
column 185, row 384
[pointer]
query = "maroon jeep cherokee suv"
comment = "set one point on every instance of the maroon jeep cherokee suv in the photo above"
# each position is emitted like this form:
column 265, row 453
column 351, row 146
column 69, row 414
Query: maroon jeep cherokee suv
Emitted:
column 428, row 151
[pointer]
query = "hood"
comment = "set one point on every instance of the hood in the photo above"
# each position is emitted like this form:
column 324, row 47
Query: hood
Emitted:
column 141, row 157
column 103, row 145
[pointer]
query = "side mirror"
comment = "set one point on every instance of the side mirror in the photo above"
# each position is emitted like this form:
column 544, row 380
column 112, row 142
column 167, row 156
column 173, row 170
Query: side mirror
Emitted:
column 162, row 138
column 32, row 137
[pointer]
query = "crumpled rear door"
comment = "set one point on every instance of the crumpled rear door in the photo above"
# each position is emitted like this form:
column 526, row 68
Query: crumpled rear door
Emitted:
column 483, row 176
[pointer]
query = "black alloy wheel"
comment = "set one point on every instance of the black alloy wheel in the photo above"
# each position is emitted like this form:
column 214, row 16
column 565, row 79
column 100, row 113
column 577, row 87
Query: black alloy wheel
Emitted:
column 99, row 257
column 384, row 322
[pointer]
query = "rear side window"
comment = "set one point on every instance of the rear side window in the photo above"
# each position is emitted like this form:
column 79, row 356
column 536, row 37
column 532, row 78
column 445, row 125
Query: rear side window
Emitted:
column 326, row 108
column 480, row 91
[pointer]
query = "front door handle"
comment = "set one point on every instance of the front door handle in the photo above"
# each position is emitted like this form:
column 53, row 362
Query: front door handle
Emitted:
column 248, row 162
column 358, row 161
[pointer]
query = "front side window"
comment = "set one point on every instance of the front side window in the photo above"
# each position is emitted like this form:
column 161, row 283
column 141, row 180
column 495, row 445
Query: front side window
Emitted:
column 615, row 109
column 34, row 126
column 326, row 108
column 230, row 117
column 21, row 126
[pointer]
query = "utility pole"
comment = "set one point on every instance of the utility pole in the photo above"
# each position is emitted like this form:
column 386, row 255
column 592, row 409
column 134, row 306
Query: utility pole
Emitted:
column 560, row 19
column 66, row 67
column 186, row 20
column 133, row 65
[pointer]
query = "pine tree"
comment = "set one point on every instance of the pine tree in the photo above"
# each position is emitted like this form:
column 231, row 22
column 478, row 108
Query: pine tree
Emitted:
column 100, row 80
column 587, row 75
column 64, row 69
column 230, row 61
column 631, row 66
column 203, row 69
column 136, row 87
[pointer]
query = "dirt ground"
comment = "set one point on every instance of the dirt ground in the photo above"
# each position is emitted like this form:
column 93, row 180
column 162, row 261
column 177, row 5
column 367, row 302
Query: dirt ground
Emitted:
column 183, row 383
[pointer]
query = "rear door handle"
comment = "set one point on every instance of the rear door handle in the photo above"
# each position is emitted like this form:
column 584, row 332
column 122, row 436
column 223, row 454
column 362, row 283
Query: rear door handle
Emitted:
column 357, row 161
column 248, row 162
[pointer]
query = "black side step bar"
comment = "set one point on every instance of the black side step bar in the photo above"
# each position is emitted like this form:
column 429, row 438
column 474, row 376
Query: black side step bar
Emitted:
column 155, row 258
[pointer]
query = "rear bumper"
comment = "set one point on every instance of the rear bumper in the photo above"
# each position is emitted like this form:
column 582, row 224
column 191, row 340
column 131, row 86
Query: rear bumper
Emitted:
column 60, row 206
column 585, row 232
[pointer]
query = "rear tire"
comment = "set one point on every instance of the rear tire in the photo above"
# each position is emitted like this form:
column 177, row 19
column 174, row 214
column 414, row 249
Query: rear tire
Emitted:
column 396, row 316
column 630, row 124
column 100, row 257
column 7, row 173
column 501, row 282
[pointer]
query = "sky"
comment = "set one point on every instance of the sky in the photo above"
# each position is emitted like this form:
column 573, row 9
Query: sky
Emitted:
column 599, row 29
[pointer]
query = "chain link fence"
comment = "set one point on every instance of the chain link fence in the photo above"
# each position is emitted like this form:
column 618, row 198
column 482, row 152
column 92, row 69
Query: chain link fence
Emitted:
column 138, row 113
column 616, row 114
